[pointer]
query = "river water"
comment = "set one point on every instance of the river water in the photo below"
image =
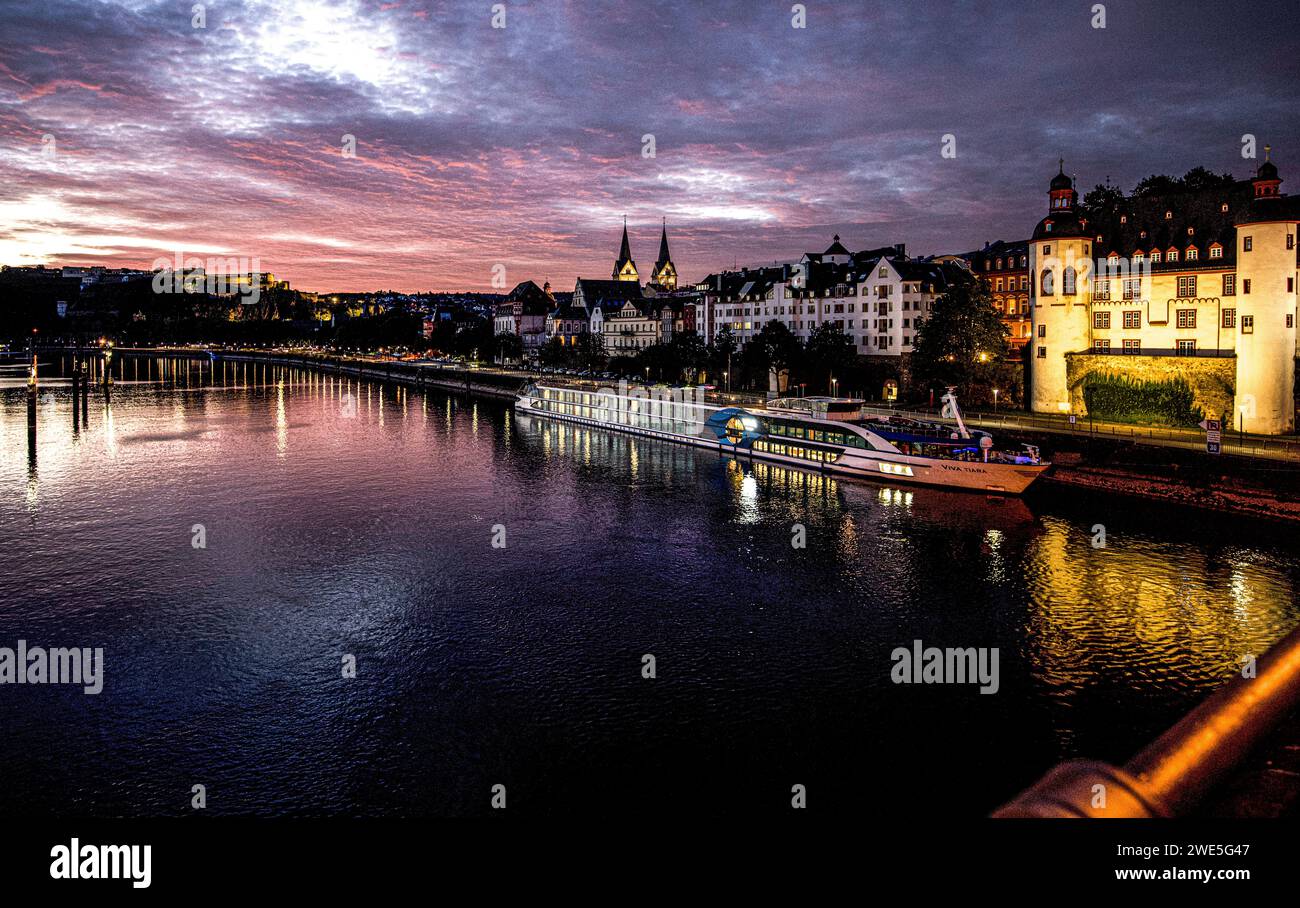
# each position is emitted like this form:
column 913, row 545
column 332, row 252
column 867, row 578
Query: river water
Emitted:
column 347, row 519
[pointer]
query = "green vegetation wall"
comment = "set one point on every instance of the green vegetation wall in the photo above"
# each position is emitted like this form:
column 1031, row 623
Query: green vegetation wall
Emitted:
column 1122, row 399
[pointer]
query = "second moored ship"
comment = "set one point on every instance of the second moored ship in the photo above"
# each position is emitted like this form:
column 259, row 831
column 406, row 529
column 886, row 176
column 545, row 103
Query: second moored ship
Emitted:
column 828, row 434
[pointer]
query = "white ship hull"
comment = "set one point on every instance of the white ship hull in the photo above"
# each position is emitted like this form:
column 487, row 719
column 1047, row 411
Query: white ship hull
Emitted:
column 880, row 461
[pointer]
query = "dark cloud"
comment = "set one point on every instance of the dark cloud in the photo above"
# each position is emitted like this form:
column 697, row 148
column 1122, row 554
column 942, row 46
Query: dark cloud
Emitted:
column 523, row 145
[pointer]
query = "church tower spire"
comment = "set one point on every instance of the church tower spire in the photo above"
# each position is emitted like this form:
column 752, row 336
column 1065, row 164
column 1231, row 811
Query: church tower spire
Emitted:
column 624, row 267
column 665, row 272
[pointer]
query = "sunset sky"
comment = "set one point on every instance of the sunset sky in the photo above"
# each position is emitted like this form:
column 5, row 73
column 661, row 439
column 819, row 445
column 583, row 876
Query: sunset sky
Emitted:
column 523, row 146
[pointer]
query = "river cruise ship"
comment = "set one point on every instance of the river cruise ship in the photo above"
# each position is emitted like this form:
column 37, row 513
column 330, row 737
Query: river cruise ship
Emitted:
column 825, row 434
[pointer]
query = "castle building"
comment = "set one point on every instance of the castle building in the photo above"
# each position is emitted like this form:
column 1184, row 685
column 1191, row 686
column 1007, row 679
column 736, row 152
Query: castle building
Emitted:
column 1197, row 285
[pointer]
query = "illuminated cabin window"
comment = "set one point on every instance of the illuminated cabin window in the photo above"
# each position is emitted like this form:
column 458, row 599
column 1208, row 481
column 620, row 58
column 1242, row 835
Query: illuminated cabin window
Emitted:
column 896, row 469
column 817, row 434
column 787, row 449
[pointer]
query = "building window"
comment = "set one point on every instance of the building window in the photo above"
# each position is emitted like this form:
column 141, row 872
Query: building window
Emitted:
column 1042, row 331
column 1290, row 320
column 1101, row 346
column 1101, row 319
column 1132, row 318
column 1191, row 253
column 1248, row 324
column 1068, row 282
column 1216, row 251
column 1186, row 318
column 1229, row 318
column 1042, row 353
column 1171, row 255
column 1187, row 287
column 1132, row 346
column 1230, row 285
column 1290, row 241
column 1245, row 287
column 1155, row 258
column 1101, row 289
column 1132, row 289
column 1187, row 348
column 1247, row 243
column 1290, row 285
column 1047, row 282
column 1047, row 250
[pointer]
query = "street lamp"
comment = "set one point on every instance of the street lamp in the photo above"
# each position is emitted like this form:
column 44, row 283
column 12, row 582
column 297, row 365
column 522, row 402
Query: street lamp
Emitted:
column 834, row 382
column 726, row 378
column 995, row 400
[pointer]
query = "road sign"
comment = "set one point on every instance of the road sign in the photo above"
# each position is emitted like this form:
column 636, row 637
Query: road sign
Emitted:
column 1213, row 435
column 1073, row 419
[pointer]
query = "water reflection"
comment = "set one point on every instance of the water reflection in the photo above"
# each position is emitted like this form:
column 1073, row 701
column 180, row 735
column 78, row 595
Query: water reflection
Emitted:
column 337, row 521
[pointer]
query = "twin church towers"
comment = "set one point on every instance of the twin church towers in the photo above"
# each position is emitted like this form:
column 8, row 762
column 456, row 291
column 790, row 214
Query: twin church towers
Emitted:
column 664, row 274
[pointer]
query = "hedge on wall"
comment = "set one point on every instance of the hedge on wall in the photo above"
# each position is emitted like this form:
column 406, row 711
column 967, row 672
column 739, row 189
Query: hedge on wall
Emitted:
column 1121, row 399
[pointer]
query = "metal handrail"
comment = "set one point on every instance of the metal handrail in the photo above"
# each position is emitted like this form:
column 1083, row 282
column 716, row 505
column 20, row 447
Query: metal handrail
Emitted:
column 1173, row 773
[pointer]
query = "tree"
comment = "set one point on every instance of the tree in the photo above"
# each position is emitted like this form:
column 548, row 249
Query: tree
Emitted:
column 962, row 341
column 723, row 349
column 780, row 350
column 691, row 354
column 1156, row 184
column 1102, row 203
column 554, row 353
column 829, row 354
column 507, row 346
column 1200, row 178
column 589, row 351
